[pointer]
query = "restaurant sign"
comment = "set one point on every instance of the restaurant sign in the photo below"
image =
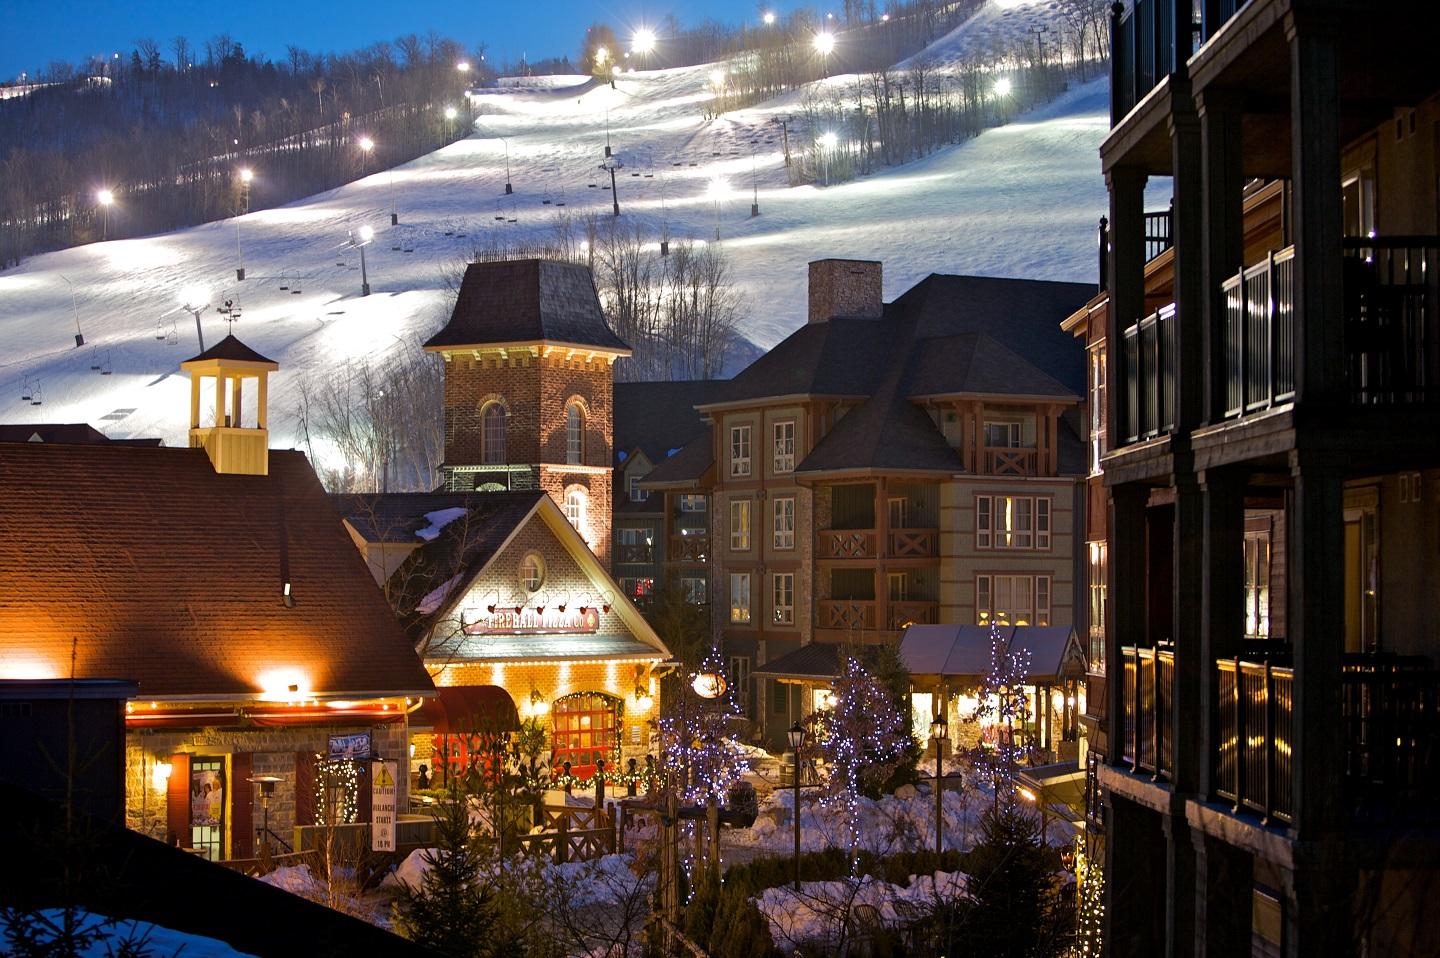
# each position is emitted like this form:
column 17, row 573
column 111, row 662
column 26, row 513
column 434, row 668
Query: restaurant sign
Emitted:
column 528, row 621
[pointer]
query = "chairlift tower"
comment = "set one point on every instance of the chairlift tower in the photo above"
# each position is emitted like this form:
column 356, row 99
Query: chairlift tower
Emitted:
column 610, row 165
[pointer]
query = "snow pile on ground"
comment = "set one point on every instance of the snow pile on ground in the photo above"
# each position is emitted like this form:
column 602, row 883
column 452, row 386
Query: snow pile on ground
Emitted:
column 819, row 912
column 888, row 825
column 296, row 879
column 299, row 880
column 114, row 932
column 607, row 880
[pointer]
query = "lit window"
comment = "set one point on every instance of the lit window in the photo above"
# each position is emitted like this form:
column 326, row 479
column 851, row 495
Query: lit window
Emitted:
column 783, row 598
column 1098, row 561
column 740, row 525
column 785, row 446
column 784, row 528
column 1257, row 585
column 638, row 494
column 693, row 503
column 740, row 451
column 575, row 503
column 574, row 434
column 532, row 572
column 493, row 434
column 1012, row 522
column 1097, row 408
column 740, row 598
column 1012, row 599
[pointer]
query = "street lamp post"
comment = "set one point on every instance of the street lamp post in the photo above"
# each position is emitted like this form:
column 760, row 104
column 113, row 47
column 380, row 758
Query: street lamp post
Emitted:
column 246, row 175
column 360, row 239
column 797, row 738
column 939, row 731
column 105, row 198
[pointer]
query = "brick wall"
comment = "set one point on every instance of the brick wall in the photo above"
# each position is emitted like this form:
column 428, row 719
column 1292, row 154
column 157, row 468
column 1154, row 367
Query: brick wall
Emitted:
column 470, row 384
column 272, row 752
column 845, row 287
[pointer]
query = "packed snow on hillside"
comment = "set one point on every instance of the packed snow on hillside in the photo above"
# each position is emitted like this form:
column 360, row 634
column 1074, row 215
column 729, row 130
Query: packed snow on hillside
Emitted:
column 1020, row 200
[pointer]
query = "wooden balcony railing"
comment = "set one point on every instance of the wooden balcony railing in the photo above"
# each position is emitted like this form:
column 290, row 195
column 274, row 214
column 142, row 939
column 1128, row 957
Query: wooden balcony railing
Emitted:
column 1260, row 335
column 689, row 548
column 911, row 612
column 1146, row 697
column 1009, row 461
column 1149, row 358
column 1392, row 332
column 845, row 614
column 862, row 544
column 1253, row 767
column 914, row 543
column 636, row 552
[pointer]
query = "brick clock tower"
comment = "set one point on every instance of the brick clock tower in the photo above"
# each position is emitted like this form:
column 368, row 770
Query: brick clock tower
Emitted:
column 529, row 383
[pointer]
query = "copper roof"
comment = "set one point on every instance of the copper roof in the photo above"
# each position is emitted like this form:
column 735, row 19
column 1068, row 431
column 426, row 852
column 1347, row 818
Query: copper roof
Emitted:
column 163, row 572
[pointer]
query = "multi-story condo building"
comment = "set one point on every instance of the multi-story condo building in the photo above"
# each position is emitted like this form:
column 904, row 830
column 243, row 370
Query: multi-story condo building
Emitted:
column 890, row 464
column 1266, row 427
column 658, row 534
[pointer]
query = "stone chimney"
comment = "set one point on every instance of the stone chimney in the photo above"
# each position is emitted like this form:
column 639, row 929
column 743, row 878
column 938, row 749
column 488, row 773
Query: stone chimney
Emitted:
column 845, row 287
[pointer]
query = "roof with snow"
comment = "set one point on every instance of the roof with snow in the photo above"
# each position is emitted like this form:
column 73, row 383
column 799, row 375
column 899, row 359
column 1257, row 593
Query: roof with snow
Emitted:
column 417, row 517
column 231, row 349
column 163, row 572
column 965, row 651
column 527, row 301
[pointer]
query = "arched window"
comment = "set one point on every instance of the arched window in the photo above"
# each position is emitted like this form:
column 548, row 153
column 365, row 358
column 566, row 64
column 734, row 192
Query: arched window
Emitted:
column 493, row 434
column 575, row 503
column 574, row 434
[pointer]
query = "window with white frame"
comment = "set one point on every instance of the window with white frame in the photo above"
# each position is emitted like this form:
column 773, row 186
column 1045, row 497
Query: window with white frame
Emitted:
column 1098, row 560
column 1012, row 522
column 784, row 524
column 1098, row 444
column 575, row 505
column 740, row 598
column 1003, row 435
column 638, row 494
column 1257, row 585
column 740, row 525
column 1012, row 599
column 785, row 446
column 740, row 678
column 740, row 450
column 782, row 598
column 695, row 590
column 693, row 503
column 574, row 434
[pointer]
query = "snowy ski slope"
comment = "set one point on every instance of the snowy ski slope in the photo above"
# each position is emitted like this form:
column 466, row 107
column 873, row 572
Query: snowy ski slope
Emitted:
column 1021, row 200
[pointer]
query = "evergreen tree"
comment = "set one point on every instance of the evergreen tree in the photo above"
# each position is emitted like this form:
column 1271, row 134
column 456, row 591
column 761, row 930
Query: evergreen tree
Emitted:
column 1011, row 887
column 452, row 910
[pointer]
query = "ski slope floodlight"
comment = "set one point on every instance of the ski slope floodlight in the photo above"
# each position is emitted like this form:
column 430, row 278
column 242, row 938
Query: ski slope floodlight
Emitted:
column 450, row 113
column 105, row 197
column 717, row 78
column 246, row 174
column 365, row 233
column 644, row 41
column 601, row 55
column 769, row 18
column 829, row 140
column 718, row 188
column 463, row 66
column 824, row 43
column 194, row 298
column 1003, row 86
column 367, row 144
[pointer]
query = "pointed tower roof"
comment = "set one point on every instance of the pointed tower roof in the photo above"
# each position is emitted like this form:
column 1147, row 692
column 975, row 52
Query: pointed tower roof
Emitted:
column 231, row 350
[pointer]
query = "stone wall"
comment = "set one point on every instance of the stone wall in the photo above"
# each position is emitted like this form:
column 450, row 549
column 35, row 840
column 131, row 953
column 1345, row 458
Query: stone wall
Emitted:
column 845, row 287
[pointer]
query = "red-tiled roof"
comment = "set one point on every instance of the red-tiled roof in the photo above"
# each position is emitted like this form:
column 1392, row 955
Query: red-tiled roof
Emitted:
column 164, row 572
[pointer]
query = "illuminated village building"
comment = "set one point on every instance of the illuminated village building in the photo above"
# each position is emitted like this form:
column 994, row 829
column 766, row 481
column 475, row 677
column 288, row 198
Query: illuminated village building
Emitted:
column 219, row 580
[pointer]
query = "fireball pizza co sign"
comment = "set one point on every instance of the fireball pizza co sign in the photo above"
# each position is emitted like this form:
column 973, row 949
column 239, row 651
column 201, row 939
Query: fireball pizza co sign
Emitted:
column 527, row 621
column 382, row 805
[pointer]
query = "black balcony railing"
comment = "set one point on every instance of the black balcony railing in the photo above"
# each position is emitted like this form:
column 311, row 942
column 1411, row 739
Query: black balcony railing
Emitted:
column 1147, row 696
column 1159, row 236
column 1150, row 375
column 1145, row 45
column 1260, row 335
column 1392, row 335
column 1391, row 707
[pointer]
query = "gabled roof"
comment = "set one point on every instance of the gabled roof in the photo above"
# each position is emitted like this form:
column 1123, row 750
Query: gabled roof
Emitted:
column 433, row 580
column 163, row 572
column 978, row 364
column 72, row 433
column 814, row 661
column 406, row 517
column 833, row 358
column 965, row 650
column 659, row 418
column 232, row 350
column 686, row 468
column 527, row 301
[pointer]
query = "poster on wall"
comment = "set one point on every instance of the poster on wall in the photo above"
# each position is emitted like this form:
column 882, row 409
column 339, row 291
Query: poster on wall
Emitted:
column 383, row 793
column 207, row 796
column 350, row 748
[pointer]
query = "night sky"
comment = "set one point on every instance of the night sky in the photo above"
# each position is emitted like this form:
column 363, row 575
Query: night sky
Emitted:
column 35, row 32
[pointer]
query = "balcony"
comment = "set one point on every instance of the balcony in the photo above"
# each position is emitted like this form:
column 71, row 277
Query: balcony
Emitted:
column 1149, row 357
column 905, row 612
column 862, row 543
column 1145, row 47
column 1009, row 461
column 689, row 548
column 1147, row 691
column 638, row 553
column 1253, row 768
column 845, row 614
column 1260, row 335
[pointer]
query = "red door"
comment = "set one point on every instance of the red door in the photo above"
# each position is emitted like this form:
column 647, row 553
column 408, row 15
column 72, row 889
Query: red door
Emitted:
column 585, row 729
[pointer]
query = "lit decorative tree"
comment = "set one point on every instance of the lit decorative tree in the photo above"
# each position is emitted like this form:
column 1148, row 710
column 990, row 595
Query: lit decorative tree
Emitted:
column 697, row 739
column 1003, row 703
column 862, row 739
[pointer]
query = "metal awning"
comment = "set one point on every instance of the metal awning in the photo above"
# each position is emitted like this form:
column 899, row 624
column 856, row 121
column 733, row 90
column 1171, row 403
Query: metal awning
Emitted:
column 964, row 651
column 815, row 662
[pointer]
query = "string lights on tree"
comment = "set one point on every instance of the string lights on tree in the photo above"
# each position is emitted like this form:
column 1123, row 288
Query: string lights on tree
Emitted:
column 698, row 741
column 1004, row 703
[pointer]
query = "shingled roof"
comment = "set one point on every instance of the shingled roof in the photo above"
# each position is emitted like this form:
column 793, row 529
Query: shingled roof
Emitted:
column 164, row 572
column 659, row 418
column 73, row 433
column 686, row 467
column 233, row 350
column 527, row 301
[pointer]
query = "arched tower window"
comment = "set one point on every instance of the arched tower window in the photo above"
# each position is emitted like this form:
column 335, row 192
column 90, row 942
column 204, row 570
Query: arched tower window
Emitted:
column 575, row 507
column 492, row 422
column 574, row 434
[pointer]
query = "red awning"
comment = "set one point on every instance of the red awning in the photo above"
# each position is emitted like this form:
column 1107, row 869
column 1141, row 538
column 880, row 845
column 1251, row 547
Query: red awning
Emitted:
column 464, row 709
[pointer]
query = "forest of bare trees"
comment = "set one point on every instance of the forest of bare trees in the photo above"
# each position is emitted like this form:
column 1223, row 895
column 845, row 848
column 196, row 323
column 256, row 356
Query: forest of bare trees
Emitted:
column 167, row 136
